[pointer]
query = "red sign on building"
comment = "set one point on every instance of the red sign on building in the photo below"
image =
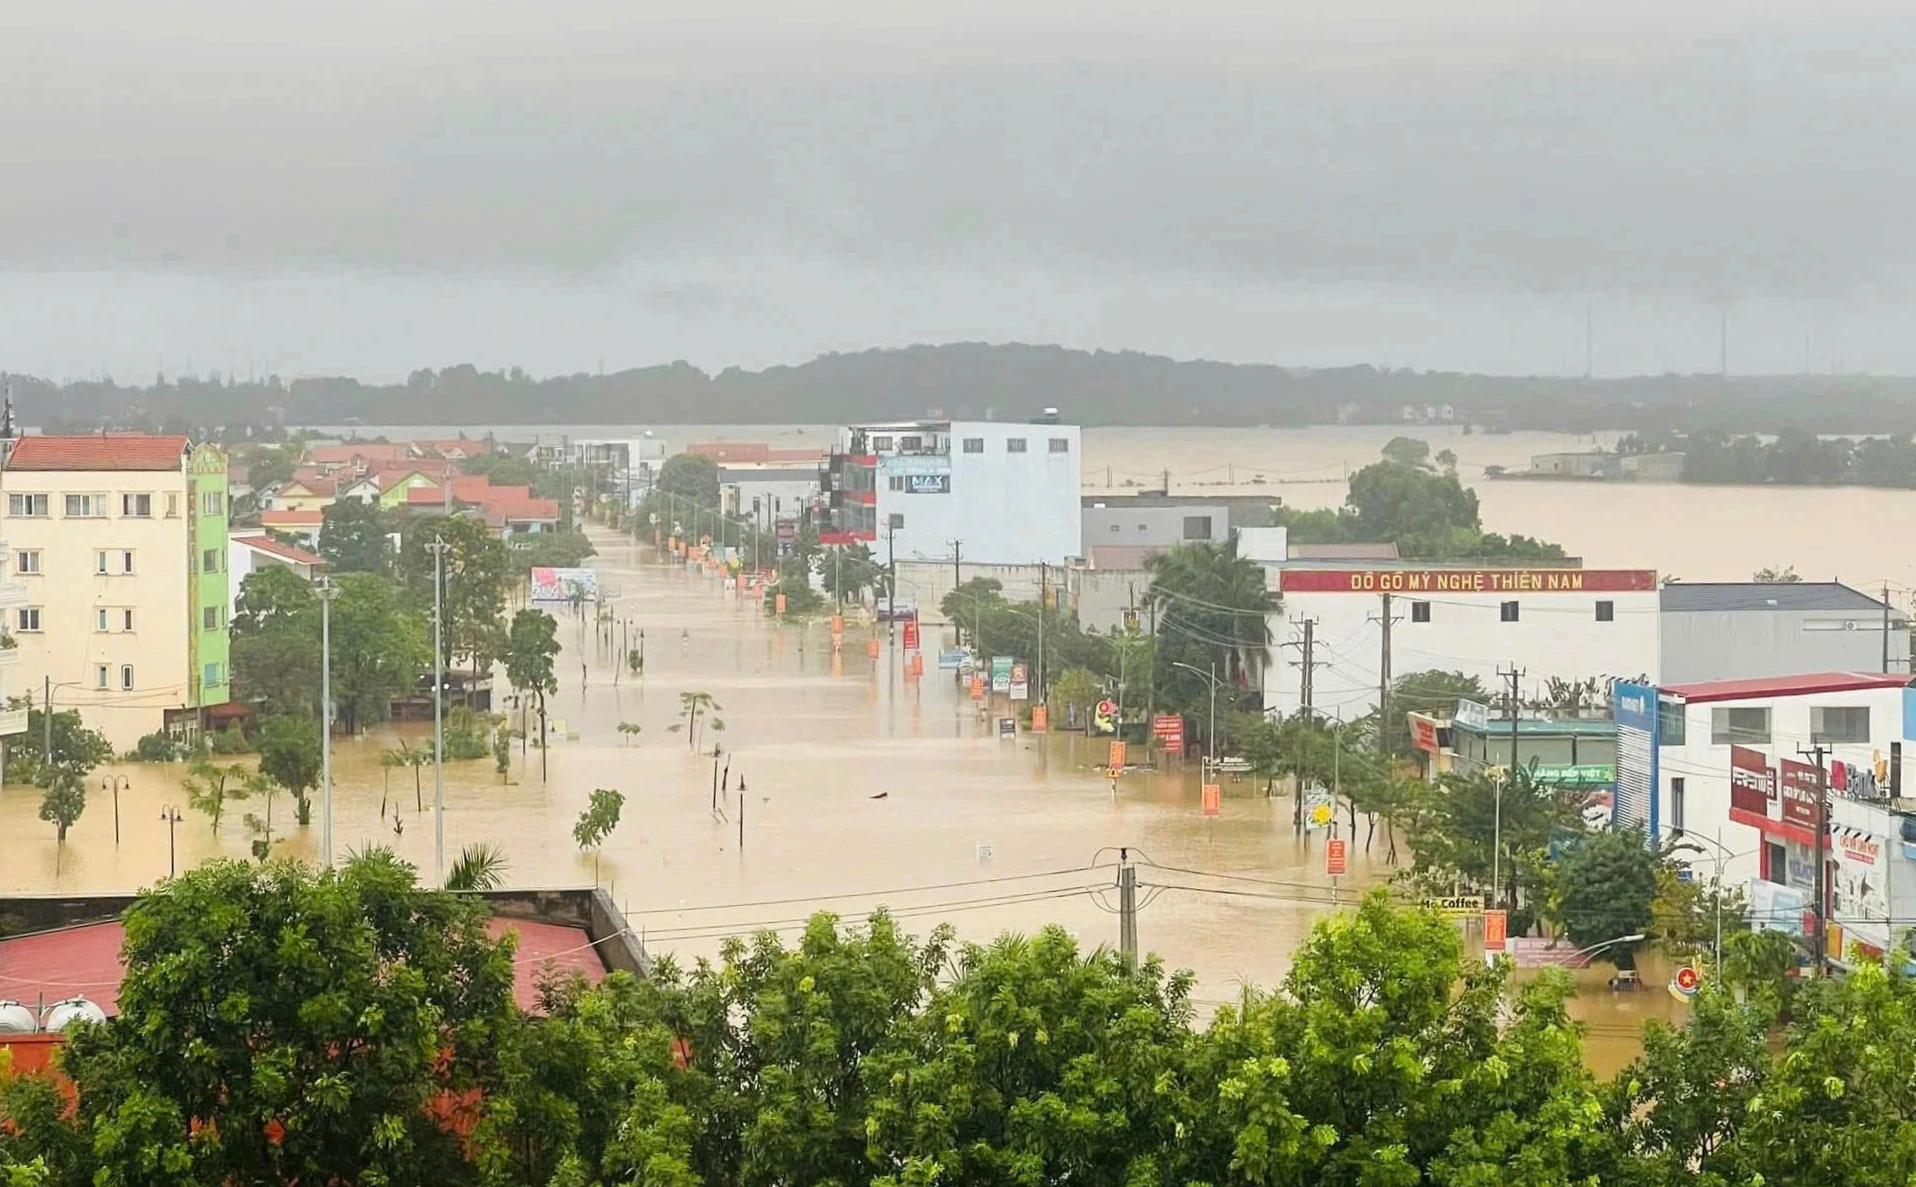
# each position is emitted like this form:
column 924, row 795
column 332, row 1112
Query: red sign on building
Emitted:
column 1484, row 581
column 1752, row 784
column 1423, row 734
column 1799, row 792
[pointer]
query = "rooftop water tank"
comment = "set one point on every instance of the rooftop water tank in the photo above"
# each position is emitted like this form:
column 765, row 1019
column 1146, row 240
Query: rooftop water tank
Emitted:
column 61, row 1015
column 16, row 1019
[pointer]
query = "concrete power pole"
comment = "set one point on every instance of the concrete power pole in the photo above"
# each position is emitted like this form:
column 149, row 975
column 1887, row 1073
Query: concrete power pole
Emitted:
column 1307, row 665
column 438, row 548
column 1384, row 621
column 1127, row 909
column 1513, row 675
column 1821, row 906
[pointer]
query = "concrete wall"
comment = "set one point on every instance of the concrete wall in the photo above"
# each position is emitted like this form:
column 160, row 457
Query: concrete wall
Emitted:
column 1744, row 644
column 925, row 583
column 1099, row 597
column 1160, row 527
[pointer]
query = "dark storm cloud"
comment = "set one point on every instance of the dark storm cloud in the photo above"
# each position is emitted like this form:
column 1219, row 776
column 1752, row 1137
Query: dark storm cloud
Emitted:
column 1765, row 161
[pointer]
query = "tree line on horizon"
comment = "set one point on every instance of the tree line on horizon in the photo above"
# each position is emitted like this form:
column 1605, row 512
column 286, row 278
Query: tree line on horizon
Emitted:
column 979, row 380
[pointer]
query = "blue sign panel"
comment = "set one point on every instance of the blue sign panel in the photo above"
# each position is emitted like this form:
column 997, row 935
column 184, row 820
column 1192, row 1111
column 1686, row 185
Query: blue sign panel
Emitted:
column 1634, row 708
column 927, row 484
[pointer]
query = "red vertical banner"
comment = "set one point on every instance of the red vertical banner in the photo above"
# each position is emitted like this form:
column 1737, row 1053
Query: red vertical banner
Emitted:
column 977, row 688
column 1334, row 857
column 1116, row 763
column 1496, row 925
column 778, row 604
column 911, row 634
column 1040, row 719
column 1213, row 795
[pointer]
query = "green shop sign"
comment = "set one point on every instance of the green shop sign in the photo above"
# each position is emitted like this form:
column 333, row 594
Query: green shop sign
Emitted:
column 1581, row 774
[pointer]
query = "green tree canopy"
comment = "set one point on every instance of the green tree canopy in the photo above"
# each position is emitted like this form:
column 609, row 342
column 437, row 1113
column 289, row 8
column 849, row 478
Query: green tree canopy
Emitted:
column 76, row 749
column 476, row 570
column 378, row 649
column 289, row 755
column 690, row 478
column 352, row 537
column 1213, row 609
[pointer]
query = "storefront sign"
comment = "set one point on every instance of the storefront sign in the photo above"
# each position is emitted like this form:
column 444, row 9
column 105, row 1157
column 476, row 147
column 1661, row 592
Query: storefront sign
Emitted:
column 1168, row 729
column 1472, row 715
column 1020, row 683
column 1486, row 581
column 1634, row 708
column 950, row 659
column 1752, row 786
column 1457, row 906
column 1423, row 734
column 927, row 484
column 1496, row 930
column 1001, row 673
column 1798, row 787
column 1104, row 718
column 1579, row 775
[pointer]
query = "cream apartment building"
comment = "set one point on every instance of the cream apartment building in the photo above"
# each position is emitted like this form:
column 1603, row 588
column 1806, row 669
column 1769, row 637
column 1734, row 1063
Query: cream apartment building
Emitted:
column 119, row 541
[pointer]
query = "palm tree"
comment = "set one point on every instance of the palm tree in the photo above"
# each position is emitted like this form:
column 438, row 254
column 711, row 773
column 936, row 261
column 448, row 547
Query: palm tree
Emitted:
column 1213, row 608
column 693, row 706
column 479, row 866
column 629, row 730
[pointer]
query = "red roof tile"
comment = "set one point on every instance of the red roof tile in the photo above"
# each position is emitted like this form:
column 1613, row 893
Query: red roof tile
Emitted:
column 110, row 452
column 732, row 451
column 291, row 519
column 1782, row 686
column 364, row 451
column 84, row 961
column 287, row 552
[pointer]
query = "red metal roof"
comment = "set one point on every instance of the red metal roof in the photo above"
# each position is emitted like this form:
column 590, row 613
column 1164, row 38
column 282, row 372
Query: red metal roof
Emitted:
column 1782, row 686
column 291, row 519
column 287, row 552
column 113, row 451
column 84, row 962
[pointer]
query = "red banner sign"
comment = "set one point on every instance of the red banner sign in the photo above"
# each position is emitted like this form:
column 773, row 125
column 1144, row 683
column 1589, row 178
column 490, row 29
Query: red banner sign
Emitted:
column 1423, row 735
column 1496, row 930
column 1168, row 728
column 1213, row 797
column 1334, row 858
column 1798, row 782
column 1414, row 581
column 911, row 634
column 1752, row 785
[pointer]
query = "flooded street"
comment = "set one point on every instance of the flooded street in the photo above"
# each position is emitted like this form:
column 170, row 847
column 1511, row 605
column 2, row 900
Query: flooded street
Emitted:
column 864, row 787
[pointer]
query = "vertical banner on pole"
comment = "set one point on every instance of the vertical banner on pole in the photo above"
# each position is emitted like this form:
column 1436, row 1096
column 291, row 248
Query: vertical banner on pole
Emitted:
column 1213, row 799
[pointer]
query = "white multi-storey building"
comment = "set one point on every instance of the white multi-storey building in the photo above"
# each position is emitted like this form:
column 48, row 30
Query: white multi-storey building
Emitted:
column 985, row 492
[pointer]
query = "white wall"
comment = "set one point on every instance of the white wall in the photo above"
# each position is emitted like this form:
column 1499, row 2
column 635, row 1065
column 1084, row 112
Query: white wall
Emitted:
column 1005, row 508
column 1556, row 634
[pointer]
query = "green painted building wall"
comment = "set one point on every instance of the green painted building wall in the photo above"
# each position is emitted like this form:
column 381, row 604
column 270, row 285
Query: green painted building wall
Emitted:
column 209, row 652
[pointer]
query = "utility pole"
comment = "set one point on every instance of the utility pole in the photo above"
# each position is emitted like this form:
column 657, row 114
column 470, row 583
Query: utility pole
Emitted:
column 1044, row 597
column 1513, row 675
column 1815, row 754
column 957, row 553
column 438, row 548
column 327, row 591
column 891, row 576
column 1885, row 628
column 1127, row 909
column 1307, row 684
column 46, row 722
column 1384, row 621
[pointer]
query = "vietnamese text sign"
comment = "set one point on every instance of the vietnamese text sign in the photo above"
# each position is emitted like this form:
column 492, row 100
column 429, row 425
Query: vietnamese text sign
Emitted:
column 1579, row 775
column 911, row 634
column 1495, row 930
column 1001, row 673
column 1799, row 783
column 1334, row 857
column 1751, row 789
column 1168, row 728
column 1468, row 580
column 1423, row 734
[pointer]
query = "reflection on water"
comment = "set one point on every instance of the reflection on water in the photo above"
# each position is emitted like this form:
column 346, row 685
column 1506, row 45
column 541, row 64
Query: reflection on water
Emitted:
column 856, row 786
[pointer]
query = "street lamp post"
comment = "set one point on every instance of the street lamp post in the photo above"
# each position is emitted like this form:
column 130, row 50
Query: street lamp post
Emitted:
column 438, row 548
column 1211, row 677
column 1592, row 950
column 326, row 591
column 1722, row 854
column 116, row 784
column 171, row 815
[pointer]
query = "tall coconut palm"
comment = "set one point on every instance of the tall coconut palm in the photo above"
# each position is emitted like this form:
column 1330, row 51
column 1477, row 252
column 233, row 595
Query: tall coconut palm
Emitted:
column 1212, row 608
column 479, row 866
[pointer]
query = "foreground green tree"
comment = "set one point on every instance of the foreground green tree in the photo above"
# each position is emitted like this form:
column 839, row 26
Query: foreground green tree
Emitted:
column 282, row 1025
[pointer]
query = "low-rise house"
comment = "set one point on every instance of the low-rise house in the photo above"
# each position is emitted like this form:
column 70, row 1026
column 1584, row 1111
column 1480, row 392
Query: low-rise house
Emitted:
column 249, row 552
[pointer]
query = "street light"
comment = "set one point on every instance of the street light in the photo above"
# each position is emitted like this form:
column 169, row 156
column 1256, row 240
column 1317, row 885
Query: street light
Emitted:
column 1722, row 854
column 326, row 591
column 116, row 784
column 172, row 816
column 1211, row 676
column 438, row 549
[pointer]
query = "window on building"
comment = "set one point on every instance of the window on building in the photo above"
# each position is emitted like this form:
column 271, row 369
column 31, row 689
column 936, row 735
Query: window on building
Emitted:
column 898, row 482
column 126, row 620
column 1197, row 527
column 34, row 506
column 86, row 506
column 210, row 617
column 27, row 560
column 136, row 506
column 212, row 502
column 1061, row 445
column 1420, row 611
column 1508, row 612
column 910, row 444
column 99, row 560
column 1676, row 806
column 1014, row 444
column 126, row 560
column 211, row 678
column 126, row 676
column 1671, row 728
column 1114, row 527
column 1831, row 723
column 881, row 444
column 1748, row 726
column 210, row 561
column 172, row 506
column 28, row 619
column 1606, row 611
column 99, row 675
column 100, row 619
column 974, row 444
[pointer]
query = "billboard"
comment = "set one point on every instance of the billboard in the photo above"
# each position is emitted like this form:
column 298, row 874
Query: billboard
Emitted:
column 1798, row 785
column 1634, row 706
column 927, row 484
column 565, row 585
column 1020, row 683
column 1472, row 714
column 1490, row 581
column 1001, row 673
column 1752, row 784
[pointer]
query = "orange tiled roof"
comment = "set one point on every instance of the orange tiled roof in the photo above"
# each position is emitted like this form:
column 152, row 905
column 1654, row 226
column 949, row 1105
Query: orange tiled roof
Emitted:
column 111, row 451
column 291, row 519
column 267, row 544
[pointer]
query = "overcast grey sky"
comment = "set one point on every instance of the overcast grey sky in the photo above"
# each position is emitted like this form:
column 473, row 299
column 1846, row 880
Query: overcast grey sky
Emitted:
column 367, row 187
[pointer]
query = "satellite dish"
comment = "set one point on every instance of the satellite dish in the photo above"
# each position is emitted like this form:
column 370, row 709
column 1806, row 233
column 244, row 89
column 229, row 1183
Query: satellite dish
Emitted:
column 61, row 1015
column 16, row 1019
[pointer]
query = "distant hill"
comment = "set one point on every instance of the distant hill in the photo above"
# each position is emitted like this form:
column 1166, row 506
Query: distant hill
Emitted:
column 1010, row 382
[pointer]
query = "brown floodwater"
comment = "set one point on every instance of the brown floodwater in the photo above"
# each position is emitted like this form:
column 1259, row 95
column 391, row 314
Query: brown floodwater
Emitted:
column 861, row 787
